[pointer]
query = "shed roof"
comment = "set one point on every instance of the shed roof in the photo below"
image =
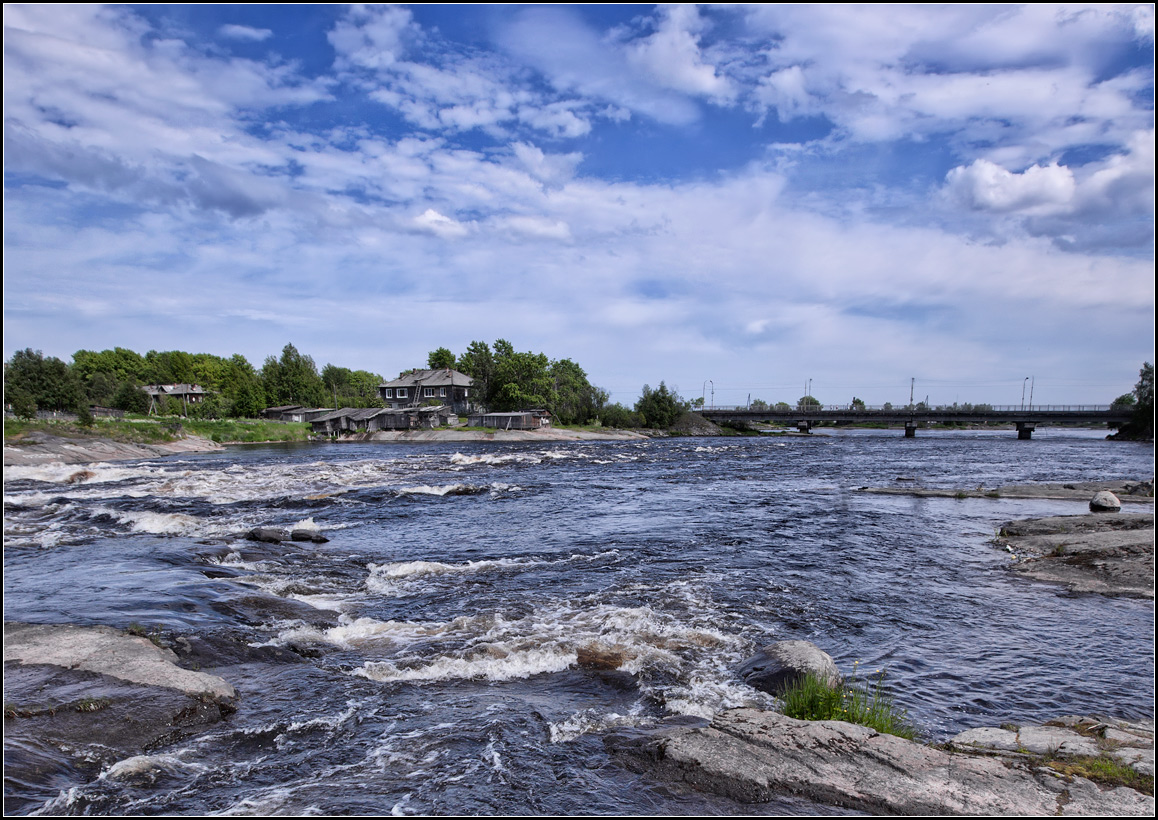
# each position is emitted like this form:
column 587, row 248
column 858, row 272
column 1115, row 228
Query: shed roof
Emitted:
column 444, row 377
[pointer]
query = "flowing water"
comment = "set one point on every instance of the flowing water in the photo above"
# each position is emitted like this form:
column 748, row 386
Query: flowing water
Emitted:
column 439, row 631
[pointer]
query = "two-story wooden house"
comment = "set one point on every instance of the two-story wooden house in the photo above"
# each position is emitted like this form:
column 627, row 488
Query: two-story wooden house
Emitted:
column 418, row 387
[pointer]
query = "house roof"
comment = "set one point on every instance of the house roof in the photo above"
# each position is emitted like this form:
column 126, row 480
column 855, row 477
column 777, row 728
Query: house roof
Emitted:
column 174, row 389
column 444, row 377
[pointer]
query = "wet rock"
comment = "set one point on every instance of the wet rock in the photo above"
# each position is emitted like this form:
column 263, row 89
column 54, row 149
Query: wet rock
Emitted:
column 602, row 657
column 1142, row 488
column 780, row 665
column 79, row 476
column 268, row 535
column 304, row 534
column 753, row 756
column 1105, row 501
column 81, row 697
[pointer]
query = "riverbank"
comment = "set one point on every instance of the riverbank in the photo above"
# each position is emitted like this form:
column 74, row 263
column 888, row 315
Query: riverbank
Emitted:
column 43, row 448
column 753, row 755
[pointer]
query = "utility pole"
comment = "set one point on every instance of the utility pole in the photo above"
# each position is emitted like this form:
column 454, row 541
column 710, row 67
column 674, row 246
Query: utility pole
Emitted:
column 912, row 384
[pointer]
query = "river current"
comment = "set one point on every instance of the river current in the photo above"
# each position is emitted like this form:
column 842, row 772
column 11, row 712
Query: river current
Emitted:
column 439, row 631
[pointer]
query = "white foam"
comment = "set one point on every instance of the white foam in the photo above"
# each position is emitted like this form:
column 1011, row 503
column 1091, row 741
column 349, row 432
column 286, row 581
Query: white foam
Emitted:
column 513, row 665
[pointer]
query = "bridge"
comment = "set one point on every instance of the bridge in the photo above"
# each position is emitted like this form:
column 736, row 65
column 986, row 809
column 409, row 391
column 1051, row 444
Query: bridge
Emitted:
column 1025, row 419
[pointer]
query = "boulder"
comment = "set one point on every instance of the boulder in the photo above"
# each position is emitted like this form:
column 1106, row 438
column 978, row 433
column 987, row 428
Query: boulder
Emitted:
column 780, row 665
column 306, row 534
column 1105, row 501
column 268, row 535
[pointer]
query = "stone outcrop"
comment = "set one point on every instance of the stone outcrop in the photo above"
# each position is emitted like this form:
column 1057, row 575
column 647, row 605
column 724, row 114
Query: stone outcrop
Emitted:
column 754, row 756
column 1131, row 744
column 42, row 448
column 1098, row 553
column 780, row 665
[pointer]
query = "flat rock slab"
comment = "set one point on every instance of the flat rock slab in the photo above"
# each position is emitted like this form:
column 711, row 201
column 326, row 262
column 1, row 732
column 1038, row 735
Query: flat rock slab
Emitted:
column 1104, row 553
column 79, row 698
column 108, row 651
column 45, row 449
column 753, row 756
column 1130, row 743
column 1128, row 492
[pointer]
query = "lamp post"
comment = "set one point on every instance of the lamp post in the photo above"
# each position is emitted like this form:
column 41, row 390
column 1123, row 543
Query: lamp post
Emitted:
column 1032, row 379
column 1023, row 384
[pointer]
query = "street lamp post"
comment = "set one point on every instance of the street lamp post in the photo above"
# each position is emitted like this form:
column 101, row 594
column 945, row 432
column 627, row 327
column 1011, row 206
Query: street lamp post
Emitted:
column 1023, row 384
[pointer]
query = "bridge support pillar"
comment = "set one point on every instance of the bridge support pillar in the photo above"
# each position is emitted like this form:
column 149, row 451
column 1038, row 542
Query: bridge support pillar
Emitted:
column 1025, row 429
column 804, row 426
column 910, row 429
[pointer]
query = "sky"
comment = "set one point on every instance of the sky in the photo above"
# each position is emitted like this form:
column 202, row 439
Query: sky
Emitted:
column 744, row 202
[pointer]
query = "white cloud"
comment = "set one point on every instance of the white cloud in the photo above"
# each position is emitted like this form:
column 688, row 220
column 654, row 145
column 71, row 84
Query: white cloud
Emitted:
column 672, row 57
column 236, row 32
column 1037, row 190
column 442, row 226
column 371, row 36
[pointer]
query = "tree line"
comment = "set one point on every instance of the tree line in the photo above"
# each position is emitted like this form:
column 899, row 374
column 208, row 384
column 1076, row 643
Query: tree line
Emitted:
column 504, row 380
column 234, row 388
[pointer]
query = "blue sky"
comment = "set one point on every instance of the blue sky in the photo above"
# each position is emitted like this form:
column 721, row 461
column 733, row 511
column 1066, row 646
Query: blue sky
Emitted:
column 742, row 198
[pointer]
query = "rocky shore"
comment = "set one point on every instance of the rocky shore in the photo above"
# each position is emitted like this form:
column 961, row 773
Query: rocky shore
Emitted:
column 1104, row 553
column 42, row 448
column 752, row 756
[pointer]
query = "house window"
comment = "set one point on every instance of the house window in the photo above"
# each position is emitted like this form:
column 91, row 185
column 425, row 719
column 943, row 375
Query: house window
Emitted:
column 401, row 392
column 428, row 392
column 389, row 392
column 442, row 392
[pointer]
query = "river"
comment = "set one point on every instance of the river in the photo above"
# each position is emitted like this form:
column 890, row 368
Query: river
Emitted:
column 438, row 631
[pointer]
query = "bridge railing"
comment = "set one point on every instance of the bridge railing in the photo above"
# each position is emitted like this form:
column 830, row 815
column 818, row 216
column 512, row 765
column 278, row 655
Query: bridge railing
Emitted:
column 909, row 408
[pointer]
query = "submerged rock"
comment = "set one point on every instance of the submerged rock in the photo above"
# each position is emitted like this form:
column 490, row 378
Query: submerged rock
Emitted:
column 780, row 665
column 307, row 534
column 268, row 535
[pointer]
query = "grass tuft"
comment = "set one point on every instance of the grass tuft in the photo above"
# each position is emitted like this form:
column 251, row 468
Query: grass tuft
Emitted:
column 866, row 704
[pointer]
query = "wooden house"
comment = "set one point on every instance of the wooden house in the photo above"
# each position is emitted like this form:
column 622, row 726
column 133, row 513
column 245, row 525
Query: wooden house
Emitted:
column 427, row 387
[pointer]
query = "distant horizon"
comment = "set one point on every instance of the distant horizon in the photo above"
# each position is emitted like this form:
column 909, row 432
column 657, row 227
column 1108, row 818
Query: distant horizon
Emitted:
column 743, row 199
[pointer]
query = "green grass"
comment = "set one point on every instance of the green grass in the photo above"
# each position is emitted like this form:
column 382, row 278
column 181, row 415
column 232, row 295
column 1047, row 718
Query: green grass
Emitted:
column 1105, row 770
column 854, row 702
column 134, row 429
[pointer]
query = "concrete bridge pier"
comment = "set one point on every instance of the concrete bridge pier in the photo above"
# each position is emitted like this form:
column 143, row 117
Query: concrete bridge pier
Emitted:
column 1025, row 429
column 910, row 429
column 804, row 426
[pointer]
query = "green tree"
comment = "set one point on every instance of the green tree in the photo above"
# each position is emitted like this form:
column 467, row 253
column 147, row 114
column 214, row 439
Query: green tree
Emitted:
column 659, row 408
column 479, row 363
column 808, row 401
column 1123, row 401
column 1140, row 427
column 757, row 404
column 21, row 402
column 292, row 379
column 576, row 401
column 50, row 382
column 520, row 381
column 84, row 415
column 618, row 416
column 131, row 399
column 441, row 359
column 857, row 404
